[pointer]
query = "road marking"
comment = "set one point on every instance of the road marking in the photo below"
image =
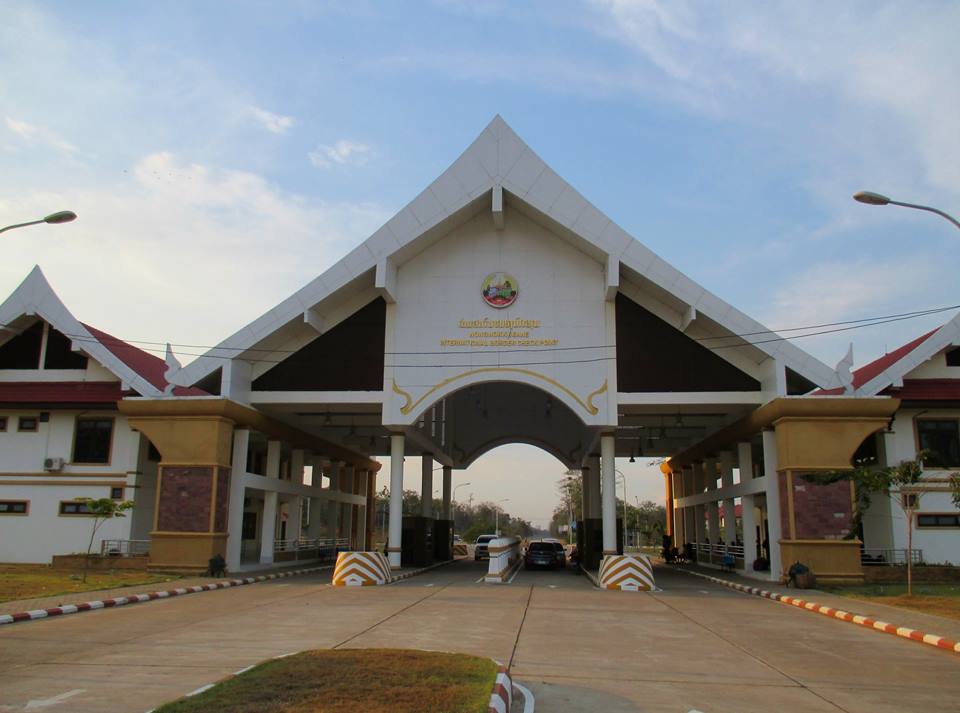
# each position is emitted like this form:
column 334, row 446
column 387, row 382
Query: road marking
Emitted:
column 55, row 701
column 244, row 669
column 704, row 591
column 428, row 585
column 200, row 690
column 510, row 581
column 552, row 586
column 528, row 702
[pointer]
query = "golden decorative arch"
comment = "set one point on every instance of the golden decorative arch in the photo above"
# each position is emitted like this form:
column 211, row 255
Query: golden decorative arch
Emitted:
column 587, row 405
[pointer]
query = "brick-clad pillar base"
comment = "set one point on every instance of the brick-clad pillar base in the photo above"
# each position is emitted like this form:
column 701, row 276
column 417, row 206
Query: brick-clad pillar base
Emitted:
column 193, row 489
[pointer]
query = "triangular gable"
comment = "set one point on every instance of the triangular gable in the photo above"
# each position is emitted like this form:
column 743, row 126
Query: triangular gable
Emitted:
column 890, row 369
column 35, row 296
column 498, row 160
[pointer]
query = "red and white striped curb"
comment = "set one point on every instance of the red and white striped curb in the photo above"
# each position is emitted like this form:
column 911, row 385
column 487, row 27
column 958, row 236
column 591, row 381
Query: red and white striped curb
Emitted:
column 137, row 598
column 901, row 631
column 501, row 697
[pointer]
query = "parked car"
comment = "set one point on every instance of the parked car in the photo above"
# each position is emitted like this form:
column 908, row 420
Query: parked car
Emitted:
column 480, row 547
column 540, row 554
column 457, row 540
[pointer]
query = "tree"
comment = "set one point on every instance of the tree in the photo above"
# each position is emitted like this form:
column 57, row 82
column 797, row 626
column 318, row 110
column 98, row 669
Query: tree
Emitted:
column 102, row 510
column 902, row 483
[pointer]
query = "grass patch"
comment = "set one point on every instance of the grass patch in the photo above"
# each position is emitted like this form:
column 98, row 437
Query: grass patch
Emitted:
column 30, row 581
column 939, row 599
column 351, row 681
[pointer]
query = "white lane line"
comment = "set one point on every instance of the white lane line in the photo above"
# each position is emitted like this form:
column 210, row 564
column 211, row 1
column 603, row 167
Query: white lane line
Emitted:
column 201, row 690
column 528, row 702
column 54, row 701
column 244, row 669
column 510, row 581
column 481, row 579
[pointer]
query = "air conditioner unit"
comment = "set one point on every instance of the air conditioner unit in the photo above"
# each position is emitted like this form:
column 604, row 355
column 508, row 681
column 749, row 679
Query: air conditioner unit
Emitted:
column 53, row 463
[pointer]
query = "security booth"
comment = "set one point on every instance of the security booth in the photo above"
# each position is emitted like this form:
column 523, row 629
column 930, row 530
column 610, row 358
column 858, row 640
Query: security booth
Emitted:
column 418, row 541
column 442, row 540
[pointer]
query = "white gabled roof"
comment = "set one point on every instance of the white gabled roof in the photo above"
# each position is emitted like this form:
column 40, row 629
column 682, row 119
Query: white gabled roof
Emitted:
column 895, row 370
column 498, row 157
column 35, row 296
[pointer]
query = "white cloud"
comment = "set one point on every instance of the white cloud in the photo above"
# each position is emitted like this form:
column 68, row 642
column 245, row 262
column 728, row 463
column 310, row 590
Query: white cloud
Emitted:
column 31, row 134
column 340, row 153
column 832, row 292
column 274, row 123
column 181, row 252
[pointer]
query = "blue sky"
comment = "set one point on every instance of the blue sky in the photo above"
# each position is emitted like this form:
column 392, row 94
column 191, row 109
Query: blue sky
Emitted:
column 213, row 146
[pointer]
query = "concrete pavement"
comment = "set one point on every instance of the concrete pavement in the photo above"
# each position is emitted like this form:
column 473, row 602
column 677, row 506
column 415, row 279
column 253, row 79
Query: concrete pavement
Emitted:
column 694, row 646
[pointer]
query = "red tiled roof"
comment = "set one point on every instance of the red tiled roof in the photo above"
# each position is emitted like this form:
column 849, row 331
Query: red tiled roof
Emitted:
column 147, row 365
column 867, row 372
column 66, row 392
column 927, row 390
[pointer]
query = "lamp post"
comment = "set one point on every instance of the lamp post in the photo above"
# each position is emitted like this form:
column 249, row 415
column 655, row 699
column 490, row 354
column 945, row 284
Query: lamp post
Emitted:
column 63, row 216
column 625, row 530
column 871, row 198
column 496, row 512
column 453, row 503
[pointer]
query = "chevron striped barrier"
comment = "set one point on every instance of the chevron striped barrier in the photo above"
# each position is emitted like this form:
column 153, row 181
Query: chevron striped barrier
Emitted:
column 361, row 569
column 460, row 550
column 632, row 573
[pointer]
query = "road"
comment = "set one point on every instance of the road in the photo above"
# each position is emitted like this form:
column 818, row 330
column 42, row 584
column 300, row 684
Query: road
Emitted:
column 693, row 646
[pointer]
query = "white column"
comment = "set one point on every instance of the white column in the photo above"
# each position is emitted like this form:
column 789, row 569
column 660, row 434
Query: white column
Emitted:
column 346, row 486
column 396, row 499
column 333, row 520
column 608, row 495
column 729, row 511
column 745, row 461
column 698, row 528
column 773, row 501
column 293, row 523
column 677, row 480
column 297, row 461
column 713, row 523
column 241, row 442
column 594, row 482
column 749, row 532
column 426, row 485
column 363, row 483
column 447, row 490
column 268, row 525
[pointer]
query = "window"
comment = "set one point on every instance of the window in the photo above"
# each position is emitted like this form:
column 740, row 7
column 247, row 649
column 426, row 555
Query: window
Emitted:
column 953, row 357
column 74, row 508
column 116, row 493
column 14, row 507
column 27, row 423
column 939, row 519
column 942, row 438
column 908, row 500
column 91, row 443
column 3, row 423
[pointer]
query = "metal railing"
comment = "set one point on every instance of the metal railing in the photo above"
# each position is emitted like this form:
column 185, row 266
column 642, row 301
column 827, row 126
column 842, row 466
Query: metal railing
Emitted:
column 888, row 557
column 124, row 548
column 323, row 548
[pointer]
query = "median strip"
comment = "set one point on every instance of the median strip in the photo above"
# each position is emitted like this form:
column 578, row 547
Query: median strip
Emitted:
column 875, row 624
column 147, row 597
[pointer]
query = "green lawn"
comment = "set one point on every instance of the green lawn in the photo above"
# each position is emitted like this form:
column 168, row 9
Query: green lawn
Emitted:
column 352, row 681
column 939, row 599
column 30, row 581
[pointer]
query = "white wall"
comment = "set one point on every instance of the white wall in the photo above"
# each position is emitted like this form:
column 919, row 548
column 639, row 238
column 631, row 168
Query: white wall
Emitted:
column 559, row 285
column 43, row 533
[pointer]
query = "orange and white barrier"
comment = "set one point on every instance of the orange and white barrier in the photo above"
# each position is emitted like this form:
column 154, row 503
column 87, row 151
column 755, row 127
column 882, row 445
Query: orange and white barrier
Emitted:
column 504, row 558
column 460, row 550
column 361, row 569
column 632, row 573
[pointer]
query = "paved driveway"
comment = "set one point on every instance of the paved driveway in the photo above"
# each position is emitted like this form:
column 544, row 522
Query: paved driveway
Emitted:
column 695, row 646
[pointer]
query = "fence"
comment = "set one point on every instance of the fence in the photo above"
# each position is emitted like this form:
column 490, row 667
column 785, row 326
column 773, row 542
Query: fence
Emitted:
column 322, row 548
column 887, row 557
column 124, row 548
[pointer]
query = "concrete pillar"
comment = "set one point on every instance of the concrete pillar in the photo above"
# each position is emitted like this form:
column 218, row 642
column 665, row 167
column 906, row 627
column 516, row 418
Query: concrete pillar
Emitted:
column 447, row 492
column 396, row 499
column 773, row 501
column 698, row 520
column 297, row 461
column 295, row 519
column 268, row 525
column 362, row 482
column 371, row 524
column 745, row 461
column 333, row 517
column 689, row 525
column 749, row 520
column 426, row 485
column 699, row 480
column 726, row 468
column 729, row 511
column 346, row 486
column 609, row 495
column 710, row 473
column 713, row 523
column 594, row 483
column 241, row 442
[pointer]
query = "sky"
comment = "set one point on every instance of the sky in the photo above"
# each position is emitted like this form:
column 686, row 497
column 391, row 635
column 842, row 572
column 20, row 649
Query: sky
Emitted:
column 222, row 154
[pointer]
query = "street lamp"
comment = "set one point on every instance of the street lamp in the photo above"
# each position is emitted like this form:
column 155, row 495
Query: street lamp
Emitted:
column 871, row 198
column 496, row 527
column 63, row 216
column 625, row 530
